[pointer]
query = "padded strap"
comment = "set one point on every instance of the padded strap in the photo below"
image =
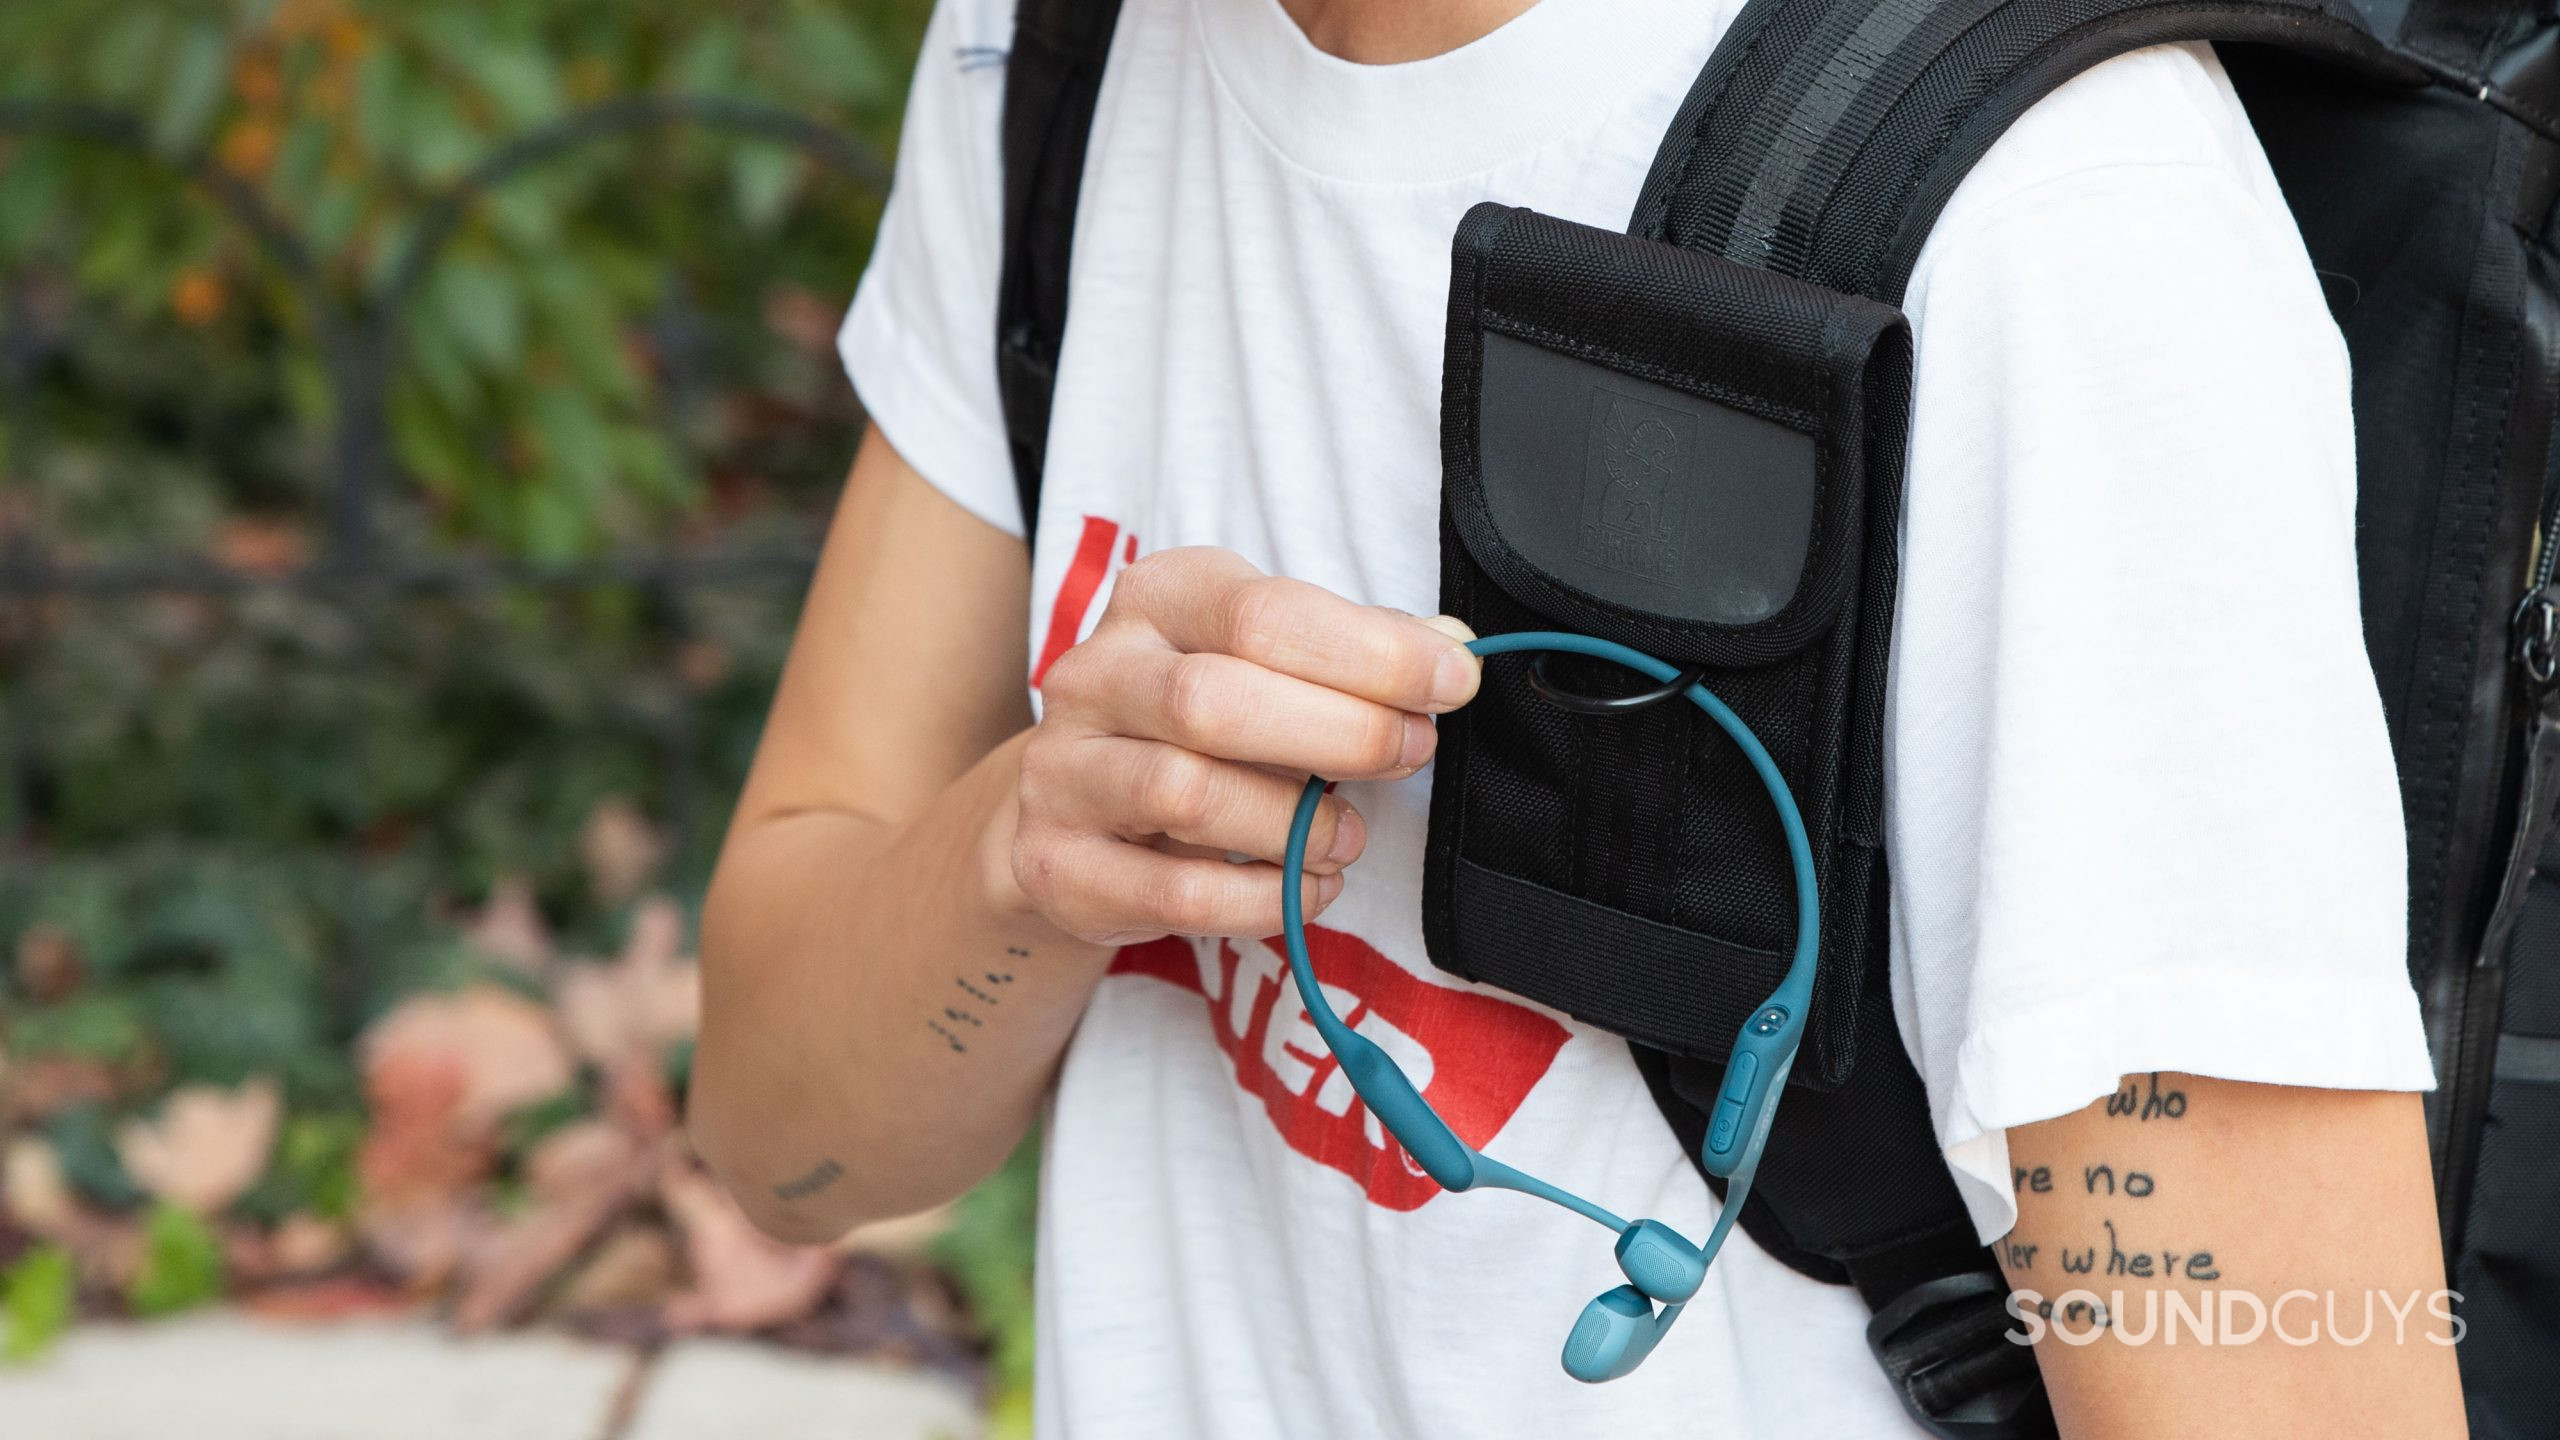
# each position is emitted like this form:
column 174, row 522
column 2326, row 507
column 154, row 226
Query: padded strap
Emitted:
column 1821, row 141
column 1824, row 137
column 1052, row 77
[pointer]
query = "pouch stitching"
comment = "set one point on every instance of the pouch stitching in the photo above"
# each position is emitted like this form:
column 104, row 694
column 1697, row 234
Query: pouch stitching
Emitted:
column 1796, row 418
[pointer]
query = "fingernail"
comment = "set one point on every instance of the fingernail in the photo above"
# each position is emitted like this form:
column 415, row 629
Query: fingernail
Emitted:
column 1453, row 680
column 1418, row 740
column 1328, row 886
column 1348, row 831
column 1451, row 626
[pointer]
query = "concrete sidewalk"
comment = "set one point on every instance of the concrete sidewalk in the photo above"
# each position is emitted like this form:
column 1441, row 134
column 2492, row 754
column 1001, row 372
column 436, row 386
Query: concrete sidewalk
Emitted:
column 226, row 1376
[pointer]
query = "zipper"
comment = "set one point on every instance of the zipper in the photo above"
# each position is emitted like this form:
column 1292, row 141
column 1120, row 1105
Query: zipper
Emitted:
column 2465, row 1030
column 2471, row 1007
column 2466, row 1003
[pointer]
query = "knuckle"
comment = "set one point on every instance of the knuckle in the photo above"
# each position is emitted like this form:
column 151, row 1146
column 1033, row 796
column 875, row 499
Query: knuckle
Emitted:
column 1184, row 898
column 1177, row 790
column 1196, row 692
column 1146, row 580
column 1137, row 580
column 1043, row 773
column 1254, row 618
column 1381, row 746
column 1038, row 867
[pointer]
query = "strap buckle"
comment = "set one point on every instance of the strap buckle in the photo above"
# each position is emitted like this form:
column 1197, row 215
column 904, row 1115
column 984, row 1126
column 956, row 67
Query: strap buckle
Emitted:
column 1945, row 1345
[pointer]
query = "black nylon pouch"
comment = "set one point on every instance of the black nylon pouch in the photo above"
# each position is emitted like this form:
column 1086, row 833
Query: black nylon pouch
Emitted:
column 1701, row 460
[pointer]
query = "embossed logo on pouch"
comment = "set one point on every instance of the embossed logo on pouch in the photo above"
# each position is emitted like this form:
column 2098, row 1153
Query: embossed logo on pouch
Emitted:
column 1636, row 467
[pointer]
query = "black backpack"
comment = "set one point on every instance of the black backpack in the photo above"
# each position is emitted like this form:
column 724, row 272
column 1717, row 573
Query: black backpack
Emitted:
column 1752, row 298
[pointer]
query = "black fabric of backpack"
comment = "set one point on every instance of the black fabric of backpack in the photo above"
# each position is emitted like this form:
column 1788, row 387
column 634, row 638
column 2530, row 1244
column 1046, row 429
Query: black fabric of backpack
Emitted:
column 1623, row 867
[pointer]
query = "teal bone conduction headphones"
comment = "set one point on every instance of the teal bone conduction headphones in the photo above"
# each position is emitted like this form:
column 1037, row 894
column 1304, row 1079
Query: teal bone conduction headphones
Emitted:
column 1619, row 1329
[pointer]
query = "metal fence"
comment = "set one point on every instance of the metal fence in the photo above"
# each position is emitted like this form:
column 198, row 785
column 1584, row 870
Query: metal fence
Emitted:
column 353, row 569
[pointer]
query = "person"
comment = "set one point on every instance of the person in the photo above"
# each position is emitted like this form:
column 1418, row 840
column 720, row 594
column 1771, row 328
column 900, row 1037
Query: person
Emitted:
column 2147, row 852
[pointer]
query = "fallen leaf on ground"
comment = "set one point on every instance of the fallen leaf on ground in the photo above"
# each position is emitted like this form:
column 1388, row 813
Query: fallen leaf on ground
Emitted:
column 646, row 999
column 635, row 1265
column 420, row 1165
column 424, row 1242
column 743, row 1279
column 208, row 1146
column 419, row 1148
column 582, row 1177
column 306, row 1244
column 509, row 1055
column 33, row 1191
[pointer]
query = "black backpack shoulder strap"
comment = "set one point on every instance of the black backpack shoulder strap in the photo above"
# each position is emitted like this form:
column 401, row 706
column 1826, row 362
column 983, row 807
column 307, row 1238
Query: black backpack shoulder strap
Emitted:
column 1821, row 142
column 1052, row 76
column 1824, row 136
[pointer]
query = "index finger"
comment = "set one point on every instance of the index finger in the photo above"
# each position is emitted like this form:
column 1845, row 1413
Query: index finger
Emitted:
column 1310, row 633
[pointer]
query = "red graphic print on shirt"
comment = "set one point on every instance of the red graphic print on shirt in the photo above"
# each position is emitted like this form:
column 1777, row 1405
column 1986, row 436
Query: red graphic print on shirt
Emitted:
column 1473, row 1056
column 1093, row 564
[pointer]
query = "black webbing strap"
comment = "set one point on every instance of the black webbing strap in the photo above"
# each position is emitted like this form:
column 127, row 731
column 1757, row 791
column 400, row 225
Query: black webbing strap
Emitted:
column 1821, row 141
column 1052, row 76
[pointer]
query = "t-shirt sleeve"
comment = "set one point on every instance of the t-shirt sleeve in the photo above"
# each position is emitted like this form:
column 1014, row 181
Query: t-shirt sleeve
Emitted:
column 2141, row 800
column 919, row 341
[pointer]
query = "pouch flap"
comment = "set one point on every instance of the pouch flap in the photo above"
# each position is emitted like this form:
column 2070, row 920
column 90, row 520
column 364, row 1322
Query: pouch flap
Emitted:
column 1657, row 445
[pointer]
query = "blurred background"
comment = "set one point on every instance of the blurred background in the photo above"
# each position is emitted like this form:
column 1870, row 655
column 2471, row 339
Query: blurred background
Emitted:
column 417, row 421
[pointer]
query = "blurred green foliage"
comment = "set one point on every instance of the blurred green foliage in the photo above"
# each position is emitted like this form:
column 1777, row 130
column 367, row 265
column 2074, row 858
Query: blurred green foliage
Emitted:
column 181, row 1264
column 260, row 812
column 527, row 407
column 36, row 1298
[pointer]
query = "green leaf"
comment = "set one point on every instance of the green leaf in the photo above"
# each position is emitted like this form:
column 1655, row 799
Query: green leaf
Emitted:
column 577, row 442
column 764, row 178
column 120, row 62
column 519, row 81
column 480, row 304
column 316, row 1164
column 181, row 1264
column 378, row 108
column 301, row 160
column 833, row 54
column 708, row 62
column 191, row 89
column 441, row 146
column 36, row 1298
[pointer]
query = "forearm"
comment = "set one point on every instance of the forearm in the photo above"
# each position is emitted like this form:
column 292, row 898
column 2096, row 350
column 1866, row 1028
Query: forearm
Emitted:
column 2296, row 1225
column 882, row 1008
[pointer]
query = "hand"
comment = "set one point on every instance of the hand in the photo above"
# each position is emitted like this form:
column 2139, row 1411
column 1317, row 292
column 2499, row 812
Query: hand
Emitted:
column 1181, row 731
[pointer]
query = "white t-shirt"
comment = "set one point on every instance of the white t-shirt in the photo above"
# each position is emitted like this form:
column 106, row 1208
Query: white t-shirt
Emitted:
column 2141, row 801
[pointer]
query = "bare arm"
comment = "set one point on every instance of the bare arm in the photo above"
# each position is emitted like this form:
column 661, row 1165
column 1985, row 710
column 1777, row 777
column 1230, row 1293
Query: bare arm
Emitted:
column 918, row 894
column 2310, row 1207
column 865, row 888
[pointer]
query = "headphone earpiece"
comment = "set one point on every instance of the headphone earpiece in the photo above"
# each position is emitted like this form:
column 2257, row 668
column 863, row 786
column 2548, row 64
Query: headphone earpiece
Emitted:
column 1659, row 1262
column 1614, row 1334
